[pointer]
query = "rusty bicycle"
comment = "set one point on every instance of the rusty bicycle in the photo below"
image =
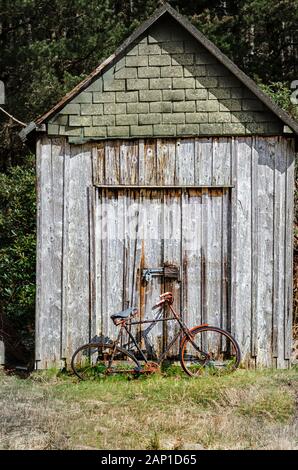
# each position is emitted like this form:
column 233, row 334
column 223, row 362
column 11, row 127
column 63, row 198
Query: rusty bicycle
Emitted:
column 203, row 349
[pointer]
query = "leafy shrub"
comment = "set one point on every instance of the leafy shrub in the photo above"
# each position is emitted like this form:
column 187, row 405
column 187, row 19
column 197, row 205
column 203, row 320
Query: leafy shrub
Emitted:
column 17, row 259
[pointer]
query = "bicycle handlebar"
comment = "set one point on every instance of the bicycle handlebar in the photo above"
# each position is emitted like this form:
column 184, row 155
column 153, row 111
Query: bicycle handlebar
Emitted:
column 166, row 297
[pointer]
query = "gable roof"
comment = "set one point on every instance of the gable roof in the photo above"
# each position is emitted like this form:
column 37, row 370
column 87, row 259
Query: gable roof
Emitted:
column 210, row 46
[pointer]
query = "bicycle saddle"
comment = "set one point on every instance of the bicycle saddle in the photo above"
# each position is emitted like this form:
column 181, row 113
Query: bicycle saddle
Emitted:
column 124, row 313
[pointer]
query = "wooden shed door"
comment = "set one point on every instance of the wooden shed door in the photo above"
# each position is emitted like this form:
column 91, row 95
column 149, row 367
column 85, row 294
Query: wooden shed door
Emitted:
column 151, row 228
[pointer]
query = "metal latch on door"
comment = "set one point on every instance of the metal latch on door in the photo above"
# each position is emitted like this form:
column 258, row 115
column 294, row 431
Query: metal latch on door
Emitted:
column 169, row 272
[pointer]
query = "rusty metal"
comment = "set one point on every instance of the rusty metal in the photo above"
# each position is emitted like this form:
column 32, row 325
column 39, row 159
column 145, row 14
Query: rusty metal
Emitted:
column 142, row 322
column 168, row 272
column 150, row 367
column 168, row 300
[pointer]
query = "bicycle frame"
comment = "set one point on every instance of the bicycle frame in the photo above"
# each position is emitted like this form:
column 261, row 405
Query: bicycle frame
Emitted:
column 125, row 324
column 128, row 357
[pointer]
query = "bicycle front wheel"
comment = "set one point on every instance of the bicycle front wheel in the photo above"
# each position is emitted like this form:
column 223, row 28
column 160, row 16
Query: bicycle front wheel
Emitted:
column 96, row 360
column 212, row 351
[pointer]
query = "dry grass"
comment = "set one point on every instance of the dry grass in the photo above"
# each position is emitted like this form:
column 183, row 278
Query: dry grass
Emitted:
column 246, row 410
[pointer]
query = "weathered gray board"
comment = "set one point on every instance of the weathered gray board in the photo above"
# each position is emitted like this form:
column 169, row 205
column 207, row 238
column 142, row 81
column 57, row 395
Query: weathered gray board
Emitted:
column 246, row 231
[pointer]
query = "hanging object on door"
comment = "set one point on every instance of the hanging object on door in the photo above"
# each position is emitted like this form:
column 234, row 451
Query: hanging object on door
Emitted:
column 169, row 272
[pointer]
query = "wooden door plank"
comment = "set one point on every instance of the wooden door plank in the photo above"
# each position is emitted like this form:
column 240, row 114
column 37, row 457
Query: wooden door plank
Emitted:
column 204, row 256
column 213, row 256
column 153, row 257
column 112, row 257
column 172, row 219
column 191, row 256
column 132, row 250
column 225, row 257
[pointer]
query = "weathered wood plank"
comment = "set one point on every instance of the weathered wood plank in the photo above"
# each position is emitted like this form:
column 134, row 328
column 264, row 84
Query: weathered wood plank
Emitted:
column 129, row 162
column 92, row 261
column 204, row 256
column 112, row 258
column 153, row 258
column 50, row 252
column 203, row 161
column 213, row 249
column 172, row 218
column 112, row 162
column 105, row 214
column 96, row 324
column 243, row 247
column 254, row 250
column 191, row 255
column 221, row 161
column 147, row 162
column 290, row 184
column 65, row 250
column 234, row 240
column 265, row 250
column 166, row 157
column 46, row 233
column 225, row 259
column 78, row 248
column 120, row 302
column 58, row 151
column 132, row 253
column 184, row 163
column 98, row 164
column 39, row 261
column 280, row 172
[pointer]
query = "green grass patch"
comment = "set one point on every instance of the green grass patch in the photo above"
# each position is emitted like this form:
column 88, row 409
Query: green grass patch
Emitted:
column 273, row 404
column 163, row 411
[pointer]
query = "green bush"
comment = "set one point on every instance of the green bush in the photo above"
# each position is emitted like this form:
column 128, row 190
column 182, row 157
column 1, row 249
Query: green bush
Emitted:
column 17, row 258
column 280, row 92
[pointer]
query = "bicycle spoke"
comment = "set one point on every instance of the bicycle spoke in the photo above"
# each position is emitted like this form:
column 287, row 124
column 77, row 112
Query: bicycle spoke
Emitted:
column 212, row 351
column 93, row 361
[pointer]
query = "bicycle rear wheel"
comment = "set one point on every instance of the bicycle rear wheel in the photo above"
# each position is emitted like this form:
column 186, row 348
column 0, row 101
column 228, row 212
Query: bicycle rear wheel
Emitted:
column 96, row 360
column 213, row 351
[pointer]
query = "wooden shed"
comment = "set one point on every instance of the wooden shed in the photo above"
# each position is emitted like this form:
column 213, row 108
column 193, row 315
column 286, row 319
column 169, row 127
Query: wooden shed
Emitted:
column 165, row 155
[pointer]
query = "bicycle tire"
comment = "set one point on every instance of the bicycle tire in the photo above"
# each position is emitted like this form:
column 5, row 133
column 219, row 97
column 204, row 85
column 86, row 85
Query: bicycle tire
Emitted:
column 86, row 366
column 198, row 362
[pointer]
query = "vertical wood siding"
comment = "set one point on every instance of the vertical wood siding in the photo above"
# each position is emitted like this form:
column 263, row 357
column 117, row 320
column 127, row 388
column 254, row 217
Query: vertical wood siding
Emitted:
column 239, row 274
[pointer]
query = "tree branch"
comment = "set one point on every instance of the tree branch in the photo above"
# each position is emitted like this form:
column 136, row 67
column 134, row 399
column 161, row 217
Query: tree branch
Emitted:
column 13, row 118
